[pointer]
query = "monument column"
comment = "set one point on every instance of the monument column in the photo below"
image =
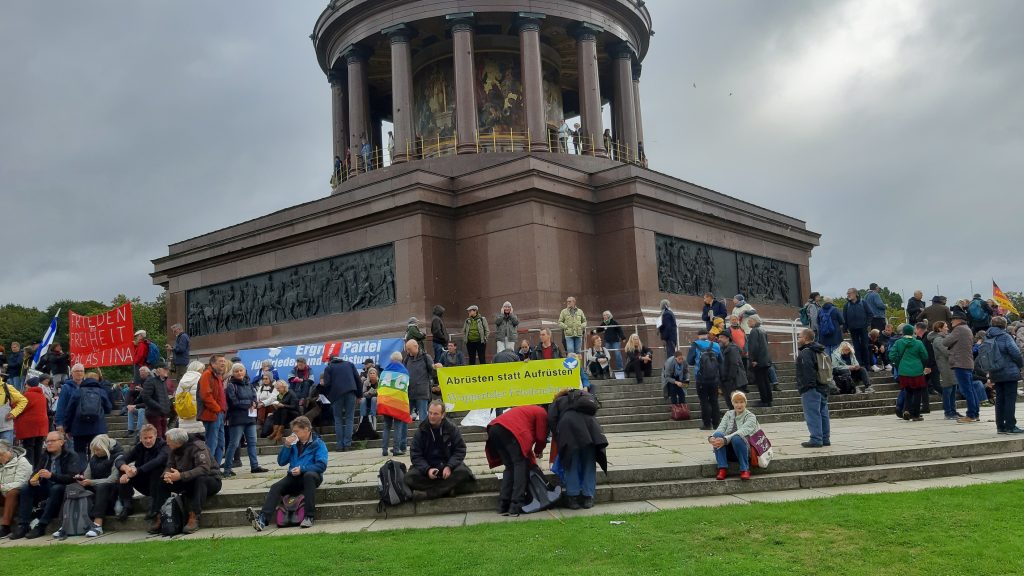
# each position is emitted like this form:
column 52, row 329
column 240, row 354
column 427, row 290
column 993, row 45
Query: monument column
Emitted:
column 622, row 70
column 401, row 90
column 339, row 113
column 528, row 24
column 637, row 67
column 590, row 87
column 466, row 122
column 358, row 103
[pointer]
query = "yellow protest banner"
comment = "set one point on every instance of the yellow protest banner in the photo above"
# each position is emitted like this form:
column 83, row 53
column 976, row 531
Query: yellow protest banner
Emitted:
column 508, row 384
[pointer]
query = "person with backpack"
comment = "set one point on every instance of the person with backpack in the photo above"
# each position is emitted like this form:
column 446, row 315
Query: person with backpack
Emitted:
column 516, row 439
column 809, row 312
column 188, row 386
column 141, row 470
column 706, row 358
column 760, row 360
column 191, row 473
column 580, row 445
column 813, row 373
column 66, row 393
column 980, row 313
column 675, row 379
column 830, row 327
column 910, row 358
column 734, row 372
column 99, row 477
column 438, row 455
column 50, row 478
column 154, row 398
column 1001, row 359
column 304, row 454
column 87, row 414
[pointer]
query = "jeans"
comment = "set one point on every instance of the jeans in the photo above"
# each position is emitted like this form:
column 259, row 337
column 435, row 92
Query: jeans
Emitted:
column 949, row 400
column 773, row 376
column 235, row 438
column 344, row 412
column 830, row 349
column 7, row 435
column 1006, row 405
column 214, row 437
column 861, row 342
column 15, row 382
column 739, row 448
column 47, row 490
column 371, row 405
column 476, row 351
column 901, row 400
column 420, row 407
column 581, row 475
column 573, row 344
column 709, row 415
column 401, row 435
column 816, row 416
column 676, row 394
column 965, row 382
column 305, row 484
column 136, row 419
column 617, row 349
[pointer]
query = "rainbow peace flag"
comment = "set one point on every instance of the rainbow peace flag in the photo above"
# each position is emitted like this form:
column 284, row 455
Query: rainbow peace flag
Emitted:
column 393, row 393
column 1000, row 297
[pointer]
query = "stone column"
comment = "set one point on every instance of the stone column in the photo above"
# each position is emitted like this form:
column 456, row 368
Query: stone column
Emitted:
column 622, row 70
column 637, row 67
column 466, row 120
column 528, row 24
column 339, row 112
column 358, row 103
column 401, row 90
column 590, row 87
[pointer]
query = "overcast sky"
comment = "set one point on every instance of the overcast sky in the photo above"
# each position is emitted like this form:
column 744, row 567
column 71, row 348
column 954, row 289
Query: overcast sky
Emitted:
column 894, row 128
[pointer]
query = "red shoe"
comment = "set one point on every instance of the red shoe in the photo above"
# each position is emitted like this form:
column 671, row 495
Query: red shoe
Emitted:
column 745, row 475
column 722, row 473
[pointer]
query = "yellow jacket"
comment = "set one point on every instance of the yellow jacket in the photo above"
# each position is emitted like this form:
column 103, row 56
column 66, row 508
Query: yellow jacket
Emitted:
column 17, row 406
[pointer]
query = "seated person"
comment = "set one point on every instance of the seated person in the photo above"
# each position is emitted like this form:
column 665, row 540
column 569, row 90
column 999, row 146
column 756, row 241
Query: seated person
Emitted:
column 596, row 359
column 675, row 377
column 368, row 403
column 286, row 408
column 547, row 349
column 100, row 478
column 305, row 455
column 141, row 470
column 190, row 473
column 730, row 440
column 452, row 356
column 52, row 474
column 638, row 359
column 438, row 452
column 524, row 351
column 844, row 360
column 15, row 470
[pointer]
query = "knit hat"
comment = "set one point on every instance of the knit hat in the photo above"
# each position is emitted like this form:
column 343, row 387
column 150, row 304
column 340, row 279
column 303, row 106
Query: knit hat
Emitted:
column 739, row 297
column 507, row 303
column 33, row 382
column 908, row 329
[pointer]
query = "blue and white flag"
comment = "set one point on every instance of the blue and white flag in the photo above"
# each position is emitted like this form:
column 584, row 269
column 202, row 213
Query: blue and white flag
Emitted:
column 51, row 333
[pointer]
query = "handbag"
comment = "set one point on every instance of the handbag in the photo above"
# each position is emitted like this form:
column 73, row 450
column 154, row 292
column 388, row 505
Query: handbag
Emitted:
column 680, row 412
column 761, row 452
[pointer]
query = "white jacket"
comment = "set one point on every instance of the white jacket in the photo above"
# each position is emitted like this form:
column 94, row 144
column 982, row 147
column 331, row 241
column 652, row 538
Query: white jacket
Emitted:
column 15, row 473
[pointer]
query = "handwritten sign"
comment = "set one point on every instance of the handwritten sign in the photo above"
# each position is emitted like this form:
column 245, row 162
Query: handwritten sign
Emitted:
column 104, row 339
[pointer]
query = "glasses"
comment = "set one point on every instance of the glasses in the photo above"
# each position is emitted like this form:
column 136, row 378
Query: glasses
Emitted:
column 48, row 441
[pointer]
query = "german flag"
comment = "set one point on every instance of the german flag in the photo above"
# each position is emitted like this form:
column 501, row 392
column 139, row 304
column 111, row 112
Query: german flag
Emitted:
column 393, row 393
column 1000, row 297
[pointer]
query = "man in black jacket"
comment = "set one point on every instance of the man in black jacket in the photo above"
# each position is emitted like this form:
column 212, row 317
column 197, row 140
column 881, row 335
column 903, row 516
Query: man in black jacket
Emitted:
column 342, row 386
column 51, row 476
column 813, row 394
column 734, row 372
column 438, row 454
column 154, row 398
column 141, row 471
column 915, row 307
column 438, row 331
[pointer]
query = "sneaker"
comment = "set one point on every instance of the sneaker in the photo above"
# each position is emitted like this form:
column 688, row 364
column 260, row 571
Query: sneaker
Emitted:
column 572, row 502
column 36, row 532
column 876, row 368
column 19, row 532
column 228, row 473
column 966, row 420
column 587, row 502
column 59, row 534
column 986, row 404
column 256, row 519
column 1015, row 430
column 307, row 522
column 826, row 442
column 869, row 390
column 888, row 367
column 745, row 475
column 807, row 445
column 94, row 531
column 906, row 415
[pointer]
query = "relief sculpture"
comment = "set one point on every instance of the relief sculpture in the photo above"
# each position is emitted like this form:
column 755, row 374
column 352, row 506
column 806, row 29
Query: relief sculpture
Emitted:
column 356, row 281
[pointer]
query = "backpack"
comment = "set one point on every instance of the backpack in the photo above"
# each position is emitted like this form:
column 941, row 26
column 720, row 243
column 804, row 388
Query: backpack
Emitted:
column 805, row 315
column 823, row 365
column 152, row 353
column 391, row 485
column 826, row 327
column 172, row 516
column 185, row 404
column 291, row 511
column 989, row 360
column 543, row 494
column 709, row 369
column 977, row 312
column 90, row 406
column 844, row 381
column 365, row 430
column 74, row 512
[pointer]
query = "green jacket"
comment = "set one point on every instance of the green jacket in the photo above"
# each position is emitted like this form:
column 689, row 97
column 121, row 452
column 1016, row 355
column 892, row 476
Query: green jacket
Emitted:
column 573, row 324
column 481, row 326
column 909, row 356
column 413, row 332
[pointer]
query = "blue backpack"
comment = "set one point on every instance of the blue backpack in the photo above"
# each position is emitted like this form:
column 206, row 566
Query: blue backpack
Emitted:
column 805, row 315
column 90, row 406
column 152, row 353
column 989, row 360
column 977, row 312
column 826, row 327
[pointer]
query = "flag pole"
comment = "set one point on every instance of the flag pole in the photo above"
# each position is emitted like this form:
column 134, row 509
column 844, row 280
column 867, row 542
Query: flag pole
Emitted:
column 48, row 337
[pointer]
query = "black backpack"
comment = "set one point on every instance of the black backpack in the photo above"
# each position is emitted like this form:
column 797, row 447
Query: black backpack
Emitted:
column 365, row 430
column 709, row 368
column 90, row 406
column 543, row 494
column 172, row 516
column 391, row 485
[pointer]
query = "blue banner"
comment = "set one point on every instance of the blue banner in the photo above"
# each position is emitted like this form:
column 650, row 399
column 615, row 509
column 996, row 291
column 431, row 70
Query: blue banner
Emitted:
column 318, row 355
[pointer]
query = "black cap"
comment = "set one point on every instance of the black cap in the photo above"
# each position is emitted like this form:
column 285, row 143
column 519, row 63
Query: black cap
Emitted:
column 367, row 361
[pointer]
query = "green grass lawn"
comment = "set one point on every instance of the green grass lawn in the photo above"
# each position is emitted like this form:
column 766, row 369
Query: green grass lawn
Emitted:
column 962, row 531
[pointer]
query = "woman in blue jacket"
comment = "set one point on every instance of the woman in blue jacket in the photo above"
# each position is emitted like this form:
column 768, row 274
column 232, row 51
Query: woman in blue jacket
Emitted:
column 305, row 454
column 241, row 419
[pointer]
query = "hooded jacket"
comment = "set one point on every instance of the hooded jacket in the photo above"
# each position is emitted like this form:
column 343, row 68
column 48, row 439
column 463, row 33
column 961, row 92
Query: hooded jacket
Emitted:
column 211, row 396
column 76, row 423
column 505, row 326
column 941, row 352
column 193, row 460
column 807, row 369
column 241, row 397
column 1012, row 360
column 154, row 396
column 481, row 328
column 309, row 457
column 34, row 421
column 574, row 427
column 437, row 447
column 909, row 356
column 421, row 375
column 437, row 327
column 734, row 373
column 960, row 342
column 17, row 471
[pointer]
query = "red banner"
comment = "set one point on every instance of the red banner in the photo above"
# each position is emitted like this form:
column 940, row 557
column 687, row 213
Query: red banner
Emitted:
column 104, row 339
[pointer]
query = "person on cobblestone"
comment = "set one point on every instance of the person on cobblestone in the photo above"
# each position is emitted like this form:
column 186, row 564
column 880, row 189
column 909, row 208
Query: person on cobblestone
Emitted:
column 1004, row 370
column 910, row 358
column 958, row 343
column 813, row 393
column 937, row 339
column 729, row 441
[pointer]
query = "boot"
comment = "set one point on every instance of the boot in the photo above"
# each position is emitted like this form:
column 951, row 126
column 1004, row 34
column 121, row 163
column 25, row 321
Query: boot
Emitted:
column 155, row 528
column 275, row 436
column 192, row 526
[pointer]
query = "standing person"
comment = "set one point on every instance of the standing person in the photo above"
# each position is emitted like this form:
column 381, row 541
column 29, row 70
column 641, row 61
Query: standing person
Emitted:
column 577, row 437
column 475, row 332
column 57, row 364
column 391, row 147
column 241, row 419
column 368, row 403
column 876, row 309
column 937, row 339
column 67, row 394
column 910, row 358
column 154, row 398
column 739, row 336
column 516, row 439
column 734, row 372
column 213, row 403
column 1004, row 372
column 811, row 310
column 958, row 344
column 365, row 151
column 936, row 312
column 393, row 404
column 712, row 309
column 742, row 310
column 140, row 352
column 980, row 313
column 31, row 426
column 607, row 136
column 15, row 471
column 830, row 327
column 668, row 329
column 639, row 359
column 574, row 323
column 857, row 319
column 563, row 137
column 342, row 386
column 731, row 437
column 180, row 351
column 547, row 349
column 706, row 358
column 15, row 359
column 190, row 473
column 87, row 414
column 760, row 359
column 51, row 476
column 915, row 307
column 611, row 334
column 438, row 332
column 422, row 377
column 577, row 137
column 675, row 378
column 336, row 177
column 12, row 405
column 813, row 394
column 506, row 324
column 412, row 331
column 305, row 456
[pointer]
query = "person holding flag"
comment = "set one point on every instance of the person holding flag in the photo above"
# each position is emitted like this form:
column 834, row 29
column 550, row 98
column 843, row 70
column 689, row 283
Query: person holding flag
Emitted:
column 393, row 404
column 43, row 346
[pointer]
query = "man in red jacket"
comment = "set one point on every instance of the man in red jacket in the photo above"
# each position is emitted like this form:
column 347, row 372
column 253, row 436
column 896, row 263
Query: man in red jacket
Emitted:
column 214, row 402
column 139, row 354
column 516, row 439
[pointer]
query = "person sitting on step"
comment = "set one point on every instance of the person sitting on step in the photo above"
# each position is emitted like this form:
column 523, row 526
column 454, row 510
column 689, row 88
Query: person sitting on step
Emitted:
column 141, row 470
column 730, row 440
column 191, row 473
column 845, row 360
column 438, row 455
column 675, row 377
column 51, row 476
column 99, row 477
column 15, row 470
column 305, row 455
column 286, row 408
column 639, row 358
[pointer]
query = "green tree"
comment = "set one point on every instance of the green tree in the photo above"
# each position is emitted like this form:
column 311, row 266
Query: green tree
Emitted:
column 1017, row 299
column 21, row 324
